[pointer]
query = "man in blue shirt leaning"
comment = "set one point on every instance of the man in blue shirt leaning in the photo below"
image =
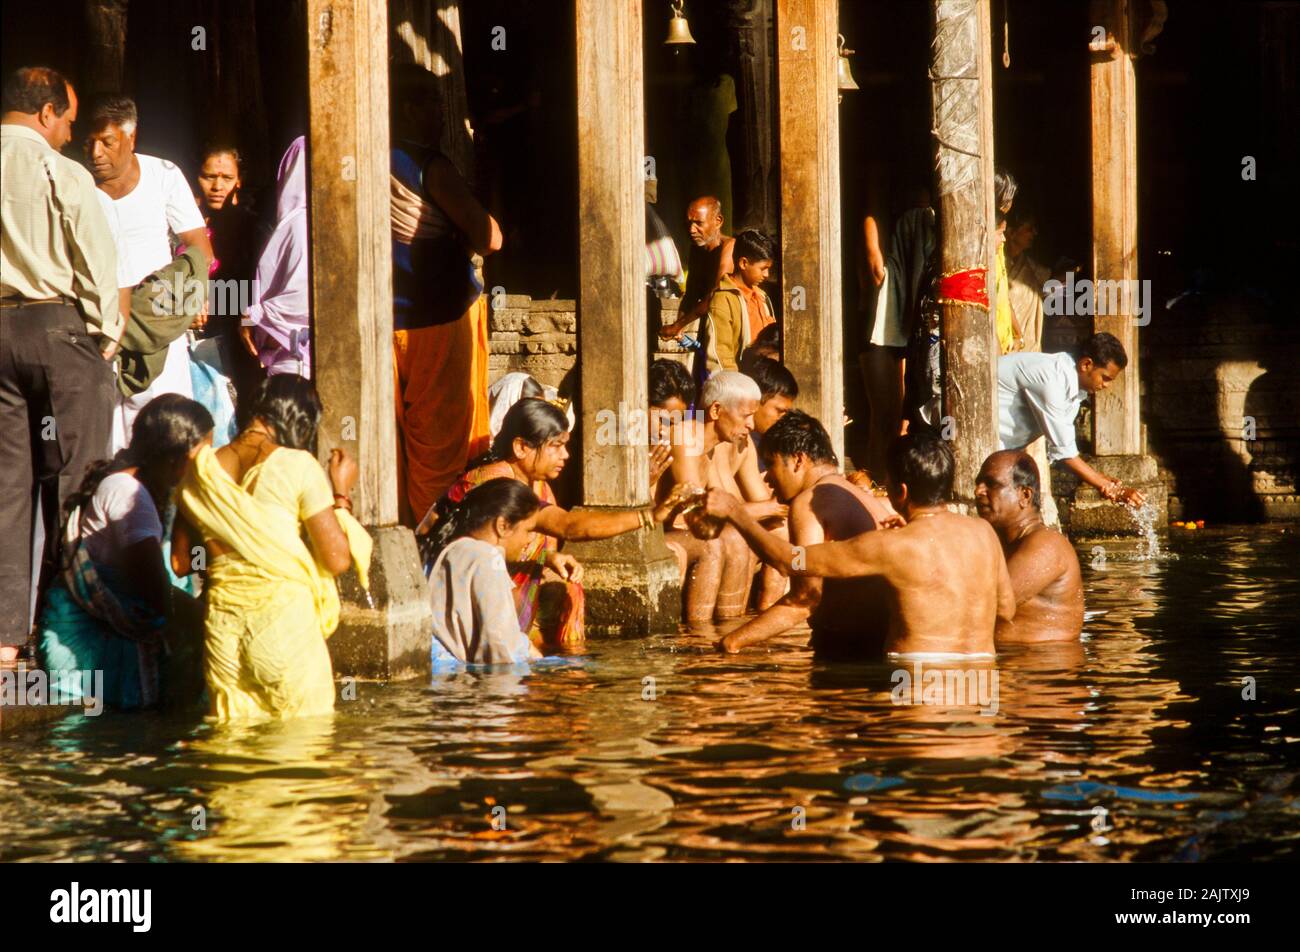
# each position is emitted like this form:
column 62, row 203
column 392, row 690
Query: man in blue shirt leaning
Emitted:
column 1039, row 395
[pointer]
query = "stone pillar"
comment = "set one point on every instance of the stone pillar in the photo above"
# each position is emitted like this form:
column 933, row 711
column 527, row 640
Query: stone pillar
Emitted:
column 1117, row 413
column 962, row 108
column 809, row 133
column 631, row 580
column 388, row 635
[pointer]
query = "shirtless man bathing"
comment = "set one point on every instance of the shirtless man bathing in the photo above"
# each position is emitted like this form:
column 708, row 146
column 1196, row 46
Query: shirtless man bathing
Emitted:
column 848, row 616
column 715, row 450
column 1043, row 566
column 944, row 573
column 677, row 459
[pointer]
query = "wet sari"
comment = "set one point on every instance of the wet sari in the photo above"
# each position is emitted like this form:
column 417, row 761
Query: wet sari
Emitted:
column 550, row 610
column 271, row 603
column 91, row 624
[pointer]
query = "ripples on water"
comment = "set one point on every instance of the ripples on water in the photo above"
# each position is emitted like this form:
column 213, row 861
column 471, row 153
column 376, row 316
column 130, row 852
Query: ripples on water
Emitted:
column 1135, row 745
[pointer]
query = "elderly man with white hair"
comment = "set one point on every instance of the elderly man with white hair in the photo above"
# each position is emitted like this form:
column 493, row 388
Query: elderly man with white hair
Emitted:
column 727, row 404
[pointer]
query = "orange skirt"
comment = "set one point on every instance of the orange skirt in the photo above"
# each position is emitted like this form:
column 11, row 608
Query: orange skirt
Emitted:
column 441, row 375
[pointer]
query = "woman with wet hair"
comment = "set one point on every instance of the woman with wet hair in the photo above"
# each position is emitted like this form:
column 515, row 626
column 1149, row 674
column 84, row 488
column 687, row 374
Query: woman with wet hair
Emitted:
column 474, row 617
column 532, row 449
column 109, row 607
column 272, row 599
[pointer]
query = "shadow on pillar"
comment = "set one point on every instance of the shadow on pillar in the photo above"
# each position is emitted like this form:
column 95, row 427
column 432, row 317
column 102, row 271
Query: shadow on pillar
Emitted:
column 388, row 636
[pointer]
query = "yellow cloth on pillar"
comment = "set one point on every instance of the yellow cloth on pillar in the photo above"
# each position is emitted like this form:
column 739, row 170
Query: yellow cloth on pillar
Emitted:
column 271, row 604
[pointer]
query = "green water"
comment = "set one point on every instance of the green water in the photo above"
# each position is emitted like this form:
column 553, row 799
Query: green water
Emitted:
column 1137, row 745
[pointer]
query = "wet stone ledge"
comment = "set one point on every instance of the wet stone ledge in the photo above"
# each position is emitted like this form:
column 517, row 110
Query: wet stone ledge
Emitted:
column 16, row 691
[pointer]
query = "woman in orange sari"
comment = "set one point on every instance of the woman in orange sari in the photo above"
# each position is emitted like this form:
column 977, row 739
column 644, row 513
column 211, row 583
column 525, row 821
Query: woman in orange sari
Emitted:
column 532, row 448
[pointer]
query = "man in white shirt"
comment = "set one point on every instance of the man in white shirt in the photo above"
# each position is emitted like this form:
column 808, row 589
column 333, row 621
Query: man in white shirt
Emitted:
column 1040, row 394
column 144, row 198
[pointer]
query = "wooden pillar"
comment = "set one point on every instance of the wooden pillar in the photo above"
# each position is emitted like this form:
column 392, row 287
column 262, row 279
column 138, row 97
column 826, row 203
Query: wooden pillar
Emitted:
column 1117, row 426
column 754, row 187
column 962, row 119
column 631, row 580
column 352, row 322
column 611, row 241
column 809, row 134
column 427, row 32
column 1117, row 415
column 106, row 47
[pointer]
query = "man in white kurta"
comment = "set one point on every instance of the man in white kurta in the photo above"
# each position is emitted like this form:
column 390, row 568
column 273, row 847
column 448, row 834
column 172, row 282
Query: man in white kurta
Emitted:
column 146, row 201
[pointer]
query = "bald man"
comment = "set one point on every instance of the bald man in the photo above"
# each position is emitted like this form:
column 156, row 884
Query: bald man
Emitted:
column 1043, row 565
column 708, row 261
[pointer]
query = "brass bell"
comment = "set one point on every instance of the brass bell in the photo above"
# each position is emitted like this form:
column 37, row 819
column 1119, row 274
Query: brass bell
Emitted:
column 843, row 73
column 679, row 31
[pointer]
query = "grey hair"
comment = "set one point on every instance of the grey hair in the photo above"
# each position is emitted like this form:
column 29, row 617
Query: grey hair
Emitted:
column 729, row 388
column 118, row 110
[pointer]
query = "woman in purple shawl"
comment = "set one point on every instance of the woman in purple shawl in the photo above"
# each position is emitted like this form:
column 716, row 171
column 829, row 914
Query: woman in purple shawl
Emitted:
column 278, row 328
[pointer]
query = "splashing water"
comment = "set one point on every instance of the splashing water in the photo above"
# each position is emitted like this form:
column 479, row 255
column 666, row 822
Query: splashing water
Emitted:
column 1144, row 518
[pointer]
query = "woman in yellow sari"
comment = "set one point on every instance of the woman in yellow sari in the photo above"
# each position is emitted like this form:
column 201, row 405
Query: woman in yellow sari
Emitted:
column 532, row 447
column 271, row 597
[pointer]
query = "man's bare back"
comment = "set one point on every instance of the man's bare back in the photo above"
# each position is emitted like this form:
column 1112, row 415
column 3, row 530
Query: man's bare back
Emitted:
column 1045, row 575
column 852, row 615
column 949, row 582
column 946, row 577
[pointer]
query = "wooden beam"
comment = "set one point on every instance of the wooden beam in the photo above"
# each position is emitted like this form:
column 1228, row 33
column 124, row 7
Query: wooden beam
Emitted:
column 809, row 134
column 611, row 242
column 351, row 243
column 962, row 117
column 1117, row 423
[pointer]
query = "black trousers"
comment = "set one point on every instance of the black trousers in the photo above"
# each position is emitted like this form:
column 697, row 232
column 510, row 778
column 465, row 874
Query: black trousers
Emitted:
column 56, row 407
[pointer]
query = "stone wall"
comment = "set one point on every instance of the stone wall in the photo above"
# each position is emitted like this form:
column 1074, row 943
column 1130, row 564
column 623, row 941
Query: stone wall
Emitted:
column 1220, row 405
column 536, row 337
column 540, row 337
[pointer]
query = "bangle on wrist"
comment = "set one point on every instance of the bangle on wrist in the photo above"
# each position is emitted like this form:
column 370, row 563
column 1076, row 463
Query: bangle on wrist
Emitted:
column 342, row 501
column 647, row 518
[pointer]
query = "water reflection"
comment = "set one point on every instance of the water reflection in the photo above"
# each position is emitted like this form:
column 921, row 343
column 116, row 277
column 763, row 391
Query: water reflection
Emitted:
column 1137, row 744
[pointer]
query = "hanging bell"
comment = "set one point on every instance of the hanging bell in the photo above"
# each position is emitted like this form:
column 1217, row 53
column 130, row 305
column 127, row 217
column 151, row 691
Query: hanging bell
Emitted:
column 679, row 31
column 843, row 73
